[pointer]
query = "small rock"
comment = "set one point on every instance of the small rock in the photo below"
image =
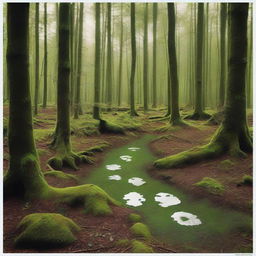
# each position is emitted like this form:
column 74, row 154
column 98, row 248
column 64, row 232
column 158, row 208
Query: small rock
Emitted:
column 111, row 239
column 90, row 245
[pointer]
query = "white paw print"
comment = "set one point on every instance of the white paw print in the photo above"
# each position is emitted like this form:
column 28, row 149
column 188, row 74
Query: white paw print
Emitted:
column 113, row 167
column 186, row 219
column 134, row 199
column 166, row 199
column 136, row 181
column 126, row 158
column 114, row 177
column 134, row 148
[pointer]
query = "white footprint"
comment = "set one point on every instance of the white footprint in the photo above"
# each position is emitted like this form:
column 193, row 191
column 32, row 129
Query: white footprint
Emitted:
column 113, row 167
column 134, row 148
column 186, row 219
column 126, row 158
column 134, row 199
column 136, row 181
column 166, row 199
column 114, row 177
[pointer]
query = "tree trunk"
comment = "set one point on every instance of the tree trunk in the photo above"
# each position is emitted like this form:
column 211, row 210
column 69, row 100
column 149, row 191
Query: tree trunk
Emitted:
column 109, row 60
column 120, row 59
column 45, row 57
column 145, row 58
column 24, row 176
column 154, row 54
column 222, row 88
column 96, row 109
column 72, row 70
column 133, row 66
column 175, row 115
column 37, row 59
column 77, row 103
column 199, row 113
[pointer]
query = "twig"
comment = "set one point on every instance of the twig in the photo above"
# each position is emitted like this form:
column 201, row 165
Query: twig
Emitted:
column 163, row 248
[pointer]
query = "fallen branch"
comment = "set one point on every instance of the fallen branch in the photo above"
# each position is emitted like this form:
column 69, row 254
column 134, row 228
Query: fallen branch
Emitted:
column 163, row 248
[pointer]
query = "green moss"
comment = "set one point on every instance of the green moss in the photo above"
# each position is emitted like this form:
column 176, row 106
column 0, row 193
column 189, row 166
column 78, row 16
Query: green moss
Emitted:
column 226, row 164
column 123, row 242
column 212, row 185
column 5, row 126
column 61, row 175
column 46, row 230
column 191, row 156
column 109, row 127
column 40, row 134
column 41, row 151
column 133, row 217
column 141, row 230
column 94, row 199
column 247, row 180
column 140, row 247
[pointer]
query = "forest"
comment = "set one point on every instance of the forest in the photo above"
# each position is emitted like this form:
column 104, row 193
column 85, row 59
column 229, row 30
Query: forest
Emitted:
column 127, row 127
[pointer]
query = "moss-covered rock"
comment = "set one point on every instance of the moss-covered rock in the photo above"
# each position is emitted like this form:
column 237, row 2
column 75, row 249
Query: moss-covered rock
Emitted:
column 133, row 217
column 109, row 127
column 46, row 230
column 140, row 247
column 247, row 180
column 212, row 185
column 123, row 242
column 141, row 230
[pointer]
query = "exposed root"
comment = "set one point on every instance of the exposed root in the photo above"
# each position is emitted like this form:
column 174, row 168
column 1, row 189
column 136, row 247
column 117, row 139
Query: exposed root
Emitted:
column 224, row 141
column 216, row 118
column 198, row 116
column 71, row 160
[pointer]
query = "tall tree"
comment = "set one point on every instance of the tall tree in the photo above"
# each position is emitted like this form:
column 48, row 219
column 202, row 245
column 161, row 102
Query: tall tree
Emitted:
column 61, row 142
column 96, row 109
column 133, row 66
column 23, row 156
column 37, row 59
column 222, row 87
column 77, row 103
column 145, row 58
column 109, row 59
column 45, row 57
column 72, row 70
column 175, row 114
column 233, row 135
column 155, row 10
column 24, row 177
column 199, row 110
column 120, row 73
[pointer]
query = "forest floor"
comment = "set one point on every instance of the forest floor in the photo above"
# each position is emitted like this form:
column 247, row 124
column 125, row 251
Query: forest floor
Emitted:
column 99, row 234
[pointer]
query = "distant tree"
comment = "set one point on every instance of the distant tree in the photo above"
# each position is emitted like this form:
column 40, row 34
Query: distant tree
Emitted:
column 154, row 54
column 145, row 58
column 120, row 71
column 77, row 102
column 37, row 59
column 109, row 59
column 45, row 57
column 233, row 135
column 96, row 108
column 133, row 46
column 222, row 85
column 199, row 113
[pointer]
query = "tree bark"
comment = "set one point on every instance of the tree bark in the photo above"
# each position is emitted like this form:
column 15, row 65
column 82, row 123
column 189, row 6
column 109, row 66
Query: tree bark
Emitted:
column 97, row 79
column 37, row 59
column 154, row 54
column 45, row 57
column 145, row 58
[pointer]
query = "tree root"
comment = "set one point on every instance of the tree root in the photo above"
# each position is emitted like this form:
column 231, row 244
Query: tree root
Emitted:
column 108, row 127
column 69, row 159
column 198, row 116
column 235, row 144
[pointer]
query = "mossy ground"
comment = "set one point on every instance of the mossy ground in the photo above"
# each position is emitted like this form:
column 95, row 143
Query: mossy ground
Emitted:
column 133, row 217
column 46, row 230
column 211, row 185
column 247, row 180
